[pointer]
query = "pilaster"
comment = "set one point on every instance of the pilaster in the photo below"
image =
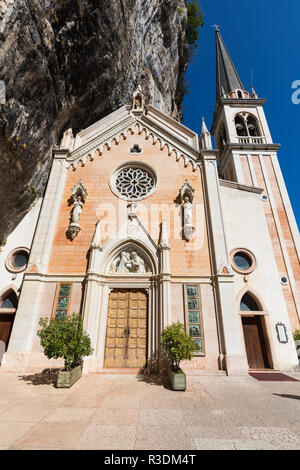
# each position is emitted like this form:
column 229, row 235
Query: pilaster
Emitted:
column 93, row 293
column 43, row 239
column 164, row 277
column 231, row 341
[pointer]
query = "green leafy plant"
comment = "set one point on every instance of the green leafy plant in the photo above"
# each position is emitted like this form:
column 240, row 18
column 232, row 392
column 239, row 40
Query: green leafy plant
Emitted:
column 65, row 338
column 194, row 23
column 296, row 335
column 178, row 345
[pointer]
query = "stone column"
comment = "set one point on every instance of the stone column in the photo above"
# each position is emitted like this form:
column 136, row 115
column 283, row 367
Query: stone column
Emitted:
column 164, row 278
column 232, row 345
column 92, row 300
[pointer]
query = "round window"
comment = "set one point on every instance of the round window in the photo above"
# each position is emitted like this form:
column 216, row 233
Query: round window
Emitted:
column 17, row 260
column 133, row 182
column 243, row 261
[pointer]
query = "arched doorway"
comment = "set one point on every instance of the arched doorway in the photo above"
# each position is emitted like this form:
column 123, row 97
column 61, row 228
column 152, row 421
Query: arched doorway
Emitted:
column 254, row 329
column 8, row 307
column 126, row 331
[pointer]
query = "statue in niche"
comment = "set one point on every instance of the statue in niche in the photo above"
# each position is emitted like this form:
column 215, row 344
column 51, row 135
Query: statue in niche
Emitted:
column 128, row 262
column 185, row 197
column 138, row 99
column 76, row 211
column 188, row 228
column 187, row 211
column 78, row 198
column 138, row 102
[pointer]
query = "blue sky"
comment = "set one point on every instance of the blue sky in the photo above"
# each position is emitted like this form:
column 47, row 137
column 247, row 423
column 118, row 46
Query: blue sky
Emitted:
column 263, row 36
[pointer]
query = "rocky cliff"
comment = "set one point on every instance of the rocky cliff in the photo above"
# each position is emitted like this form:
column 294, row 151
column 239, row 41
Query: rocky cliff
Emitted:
column 68, row 63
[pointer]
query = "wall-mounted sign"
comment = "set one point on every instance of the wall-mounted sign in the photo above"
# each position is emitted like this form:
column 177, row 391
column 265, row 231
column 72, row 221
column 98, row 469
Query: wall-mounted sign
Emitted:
column 281, row 333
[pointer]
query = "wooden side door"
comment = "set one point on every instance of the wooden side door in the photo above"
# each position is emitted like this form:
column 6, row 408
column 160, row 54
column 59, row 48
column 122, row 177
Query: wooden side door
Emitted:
column 6, row 324
column 255, row 343
column 126, row 332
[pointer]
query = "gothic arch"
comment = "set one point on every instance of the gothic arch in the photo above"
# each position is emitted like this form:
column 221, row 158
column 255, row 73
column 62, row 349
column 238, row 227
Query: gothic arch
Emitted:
column 142, row 250
column 256, row 298
column 247, row 125
column 7, row 292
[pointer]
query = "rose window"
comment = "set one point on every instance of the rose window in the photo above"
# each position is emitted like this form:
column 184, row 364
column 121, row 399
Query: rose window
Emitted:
column 134, row 182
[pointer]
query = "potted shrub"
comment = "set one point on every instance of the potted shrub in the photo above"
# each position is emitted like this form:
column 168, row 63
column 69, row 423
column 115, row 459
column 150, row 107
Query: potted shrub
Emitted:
column 178, row 346
column 65, row 338
column 297, row 342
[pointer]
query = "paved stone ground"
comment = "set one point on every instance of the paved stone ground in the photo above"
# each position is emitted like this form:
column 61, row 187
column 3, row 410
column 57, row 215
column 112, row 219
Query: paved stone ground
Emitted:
column 123, row 412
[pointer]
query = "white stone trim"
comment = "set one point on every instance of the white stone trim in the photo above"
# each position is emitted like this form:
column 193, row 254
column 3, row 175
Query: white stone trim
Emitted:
column 180, row 148
column 252, row 171
column 280, row 236
column 238, row 168
column 46, row 227
column 287, row 204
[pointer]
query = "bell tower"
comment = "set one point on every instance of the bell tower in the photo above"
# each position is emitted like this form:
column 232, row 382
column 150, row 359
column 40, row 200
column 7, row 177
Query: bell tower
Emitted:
column 247, row 158
column 239, row 120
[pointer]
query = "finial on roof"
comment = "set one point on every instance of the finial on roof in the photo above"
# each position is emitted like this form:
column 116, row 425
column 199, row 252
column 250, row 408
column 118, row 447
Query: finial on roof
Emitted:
column 138, row 99
column 253, row 93
column 205, row 138
column 164, row 241
column 96, row 242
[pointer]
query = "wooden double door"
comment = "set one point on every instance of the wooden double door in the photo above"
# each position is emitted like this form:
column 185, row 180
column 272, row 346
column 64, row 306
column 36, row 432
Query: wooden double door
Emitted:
column 126, row 332
column 255, row 342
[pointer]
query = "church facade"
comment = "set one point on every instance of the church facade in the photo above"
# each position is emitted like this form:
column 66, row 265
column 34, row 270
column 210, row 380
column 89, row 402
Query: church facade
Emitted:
column 144, row 224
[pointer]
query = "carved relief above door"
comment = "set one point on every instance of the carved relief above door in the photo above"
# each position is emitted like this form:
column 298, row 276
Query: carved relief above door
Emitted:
column 129, row 261
column 126, row 332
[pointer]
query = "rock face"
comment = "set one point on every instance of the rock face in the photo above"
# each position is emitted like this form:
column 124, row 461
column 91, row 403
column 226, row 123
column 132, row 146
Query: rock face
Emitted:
column 68, row 63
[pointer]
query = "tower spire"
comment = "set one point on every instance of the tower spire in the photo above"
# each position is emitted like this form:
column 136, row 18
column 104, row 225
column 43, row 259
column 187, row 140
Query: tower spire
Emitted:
column 228, row 80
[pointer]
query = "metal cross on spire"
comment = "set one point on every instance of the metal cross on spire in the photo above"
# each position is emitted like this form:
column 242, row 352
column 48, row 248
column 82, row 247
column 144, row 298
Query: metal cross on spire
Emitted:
column 216, row 26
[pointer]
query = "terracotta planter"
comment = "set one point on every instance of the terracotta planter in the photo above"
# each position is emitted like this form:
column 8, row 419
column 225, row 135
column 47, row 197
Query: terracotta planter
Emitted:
column 177, row 381
column 66, row 378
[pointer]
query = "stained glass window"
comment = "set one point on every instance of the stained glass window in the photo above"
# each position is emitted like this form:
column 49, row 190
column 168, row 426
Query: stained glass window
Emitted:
column 248, row 304
column 242, row 261
column 134, row 183
column 9, row 301
column 194, row 316
column 62, row 301
column 20, row 259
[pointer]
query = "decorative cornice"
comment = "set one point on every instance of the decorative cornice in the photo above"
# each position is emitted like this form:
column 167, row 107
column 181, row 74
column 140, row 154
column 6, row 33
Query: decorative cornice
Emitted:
column 99, row 142
column 256, row 147
column 134, row 124
column 242, row 187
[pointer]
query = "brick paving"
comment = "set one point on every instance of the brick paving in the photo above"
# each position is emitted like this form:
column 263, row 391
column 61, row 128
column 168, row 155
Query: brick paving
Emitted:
column 125, row 412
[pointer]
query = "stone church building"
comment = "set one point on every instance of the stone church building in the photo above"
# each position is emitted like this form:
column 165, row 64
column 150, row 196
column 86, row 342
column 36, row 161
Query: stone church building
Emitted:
column 143, row 224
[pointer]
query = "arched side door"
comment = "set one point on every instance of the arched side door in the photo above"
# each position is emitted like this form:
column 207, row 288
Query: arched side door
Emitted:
column 8, row 307
column 254, row 334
